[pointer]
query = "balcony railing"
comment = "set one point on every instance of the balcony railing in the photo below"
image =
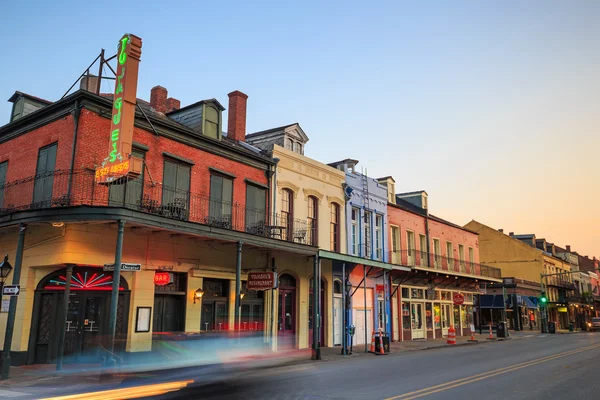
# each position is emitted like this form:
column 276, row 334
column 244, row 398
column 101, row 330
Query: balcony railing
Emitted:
column 51, row 190
column 413, row 258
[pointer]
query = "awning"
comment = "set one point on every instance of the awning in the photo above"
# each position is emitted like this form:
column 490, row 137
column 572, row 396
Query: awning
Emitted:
column 491, row 301
column 527, row 302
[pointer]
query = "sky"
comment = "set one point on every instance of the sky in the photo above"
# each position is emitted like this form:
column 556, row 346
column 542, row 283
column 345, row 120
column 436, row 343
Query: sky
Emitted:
column 492, row 107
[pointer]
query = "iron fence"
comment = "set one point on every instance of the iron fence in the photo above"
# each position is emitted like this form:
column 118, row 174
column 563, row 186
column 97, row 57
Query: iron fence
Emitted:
column 63, row 188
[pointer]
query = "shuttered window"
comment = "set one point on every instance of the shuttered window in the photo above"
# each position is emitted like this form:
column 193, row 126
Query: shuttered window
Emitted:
column 129, row 193
column 221, row 198
column 176, row 184
column 256, row 207
column 44, row 176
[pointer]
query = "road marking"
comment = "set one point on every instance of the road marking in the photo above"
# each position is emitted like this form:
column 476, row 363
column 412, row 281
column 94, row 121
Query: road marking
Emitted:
column 463, row 381
column 10, row 393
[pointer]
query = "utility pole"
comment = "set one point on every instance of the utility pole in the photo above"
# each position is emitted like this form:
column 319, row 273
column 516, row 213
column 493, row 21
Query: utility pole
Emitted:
column 114, row 296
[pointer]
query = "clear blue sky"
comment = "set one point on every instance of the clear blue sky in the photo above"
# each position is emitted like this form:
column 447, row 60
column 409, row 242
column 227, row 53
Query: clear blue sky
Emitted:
column 493, row 107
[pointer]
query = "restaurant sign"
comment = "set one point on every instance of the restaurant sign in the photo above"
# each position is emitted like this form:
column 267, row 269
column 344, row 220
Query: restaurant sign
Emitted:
column 261, row 280
column 119, row 163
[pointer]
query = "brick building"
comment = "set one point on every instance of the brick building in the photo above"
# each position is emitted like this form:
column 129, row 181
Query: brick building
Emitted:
column 199, row 207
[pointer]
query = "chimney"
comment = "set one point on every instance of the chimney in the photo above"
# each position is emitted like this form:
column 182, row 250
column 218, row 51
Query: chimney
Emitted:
column 511, row 234
column 173, row 104
column 158, row 99
column 568, row 247
column 89, row 83
column 501, row 230
column 236, row 125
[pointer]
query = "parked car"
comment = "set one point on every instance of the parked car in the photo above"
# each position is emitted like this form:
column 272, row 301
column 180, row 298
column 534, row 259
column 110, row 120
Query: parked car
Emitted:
column 594, row 325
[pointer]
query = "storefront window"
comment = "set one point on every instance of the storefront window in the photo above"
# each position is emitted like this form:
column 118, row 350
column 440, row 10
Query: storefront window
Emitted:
column 437, row 315
column 437, row 295
column 470, row 316
column 416, row 294
column 405, row 293
column 446, row 295
column 405, row 315
column 463, row 316
column 456, row 317
column 429, row 316
column 469, row 297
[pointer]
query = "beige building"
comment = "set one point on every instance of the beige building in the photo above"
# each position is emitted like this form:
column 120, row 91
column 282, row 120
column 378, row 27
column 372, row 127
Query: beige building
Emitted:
column 307, row 193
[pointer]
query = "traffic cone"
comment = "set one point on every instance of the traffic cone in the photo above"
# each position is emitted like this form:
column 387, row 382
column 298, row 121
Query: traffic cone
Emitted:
column 381, row 348
column 491, row 337
column 451, row 336
column 372, row 343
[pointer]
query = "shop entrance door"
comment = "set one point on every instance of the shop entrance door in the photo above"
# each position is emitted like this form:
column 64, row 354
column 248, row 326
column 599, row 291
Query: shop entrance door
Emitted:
column 85, row 321
column 287, row 318
column 360, row 328
column 337, row 321
column 417, row 323
column 446, row 318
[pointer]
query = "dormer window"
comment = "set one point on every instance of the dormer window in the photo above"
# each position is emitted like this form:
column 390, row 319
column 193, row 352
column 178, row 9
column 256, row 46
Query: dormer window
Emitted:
column 298, row 147
column 211, row 122
column 289, row 144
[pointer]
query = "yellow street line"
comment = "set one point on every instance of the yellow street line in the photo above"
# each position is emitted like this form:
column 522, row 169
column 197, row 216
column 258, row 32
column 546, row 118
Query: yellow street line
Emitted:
column 127, row 393
column 477, row 377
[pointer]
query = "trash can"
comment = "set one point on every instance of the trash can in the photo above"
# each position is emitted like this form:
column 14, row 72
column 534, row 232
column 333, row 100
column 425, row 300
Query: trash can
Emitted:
column 551, row 327
column 385, row 337
column 502, row 330
column 570, row 326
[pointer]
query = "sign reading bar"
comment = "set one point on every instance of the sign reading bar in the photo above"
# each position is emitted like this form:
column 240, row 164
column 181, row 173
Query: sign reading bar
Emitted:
column 124, row 267
column 11, row 290
column 261, row 280
column 458, row 299
column 119, row 163
column 162, row 278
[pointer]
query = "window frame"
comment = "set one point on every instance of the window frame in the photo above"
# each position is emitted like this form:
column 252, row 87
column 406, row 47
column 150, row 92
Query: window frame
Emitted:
column 3, row 166
column 334, row 227
column 378, row 236
column 287, row 217
column 257, row 224
column 175, row 189
column 45, row 180
column 313, row 220
column 368, row 230
column 355, row 231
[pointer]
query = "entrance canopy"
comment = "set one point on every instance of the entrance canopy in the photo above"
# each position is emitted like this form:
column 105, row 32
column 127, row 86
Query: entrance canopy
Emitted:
column 529, row 302
column 491, row 301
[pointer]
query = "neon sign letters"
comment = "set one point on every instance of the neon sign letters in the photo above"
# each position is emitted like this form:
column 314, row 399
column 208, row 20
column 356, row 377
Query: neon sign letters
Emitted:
column 119, row 162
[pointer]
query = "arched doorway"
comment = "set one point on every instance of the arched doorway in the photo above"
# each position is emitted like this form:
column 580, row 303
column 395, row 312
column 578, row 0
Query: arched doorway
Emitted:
column 86, row 330
column 321, row 312
column 286, row 311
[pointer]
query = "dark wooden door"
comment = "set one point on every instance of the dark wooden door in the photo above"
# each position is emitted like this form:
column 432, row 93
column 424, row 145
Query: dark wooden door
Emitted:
column 169, row 313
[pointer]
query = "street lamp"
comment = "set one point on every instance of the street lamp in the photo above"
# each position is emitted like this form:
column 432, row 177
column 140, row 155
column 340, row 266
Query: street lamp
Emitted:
column 5, row 269
column 198, row 294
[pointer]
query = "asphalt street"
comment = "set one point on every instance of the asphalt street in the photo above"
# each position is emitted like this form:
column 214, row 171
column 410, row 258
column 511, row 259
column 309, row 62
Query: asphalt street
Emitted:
column 534, row 367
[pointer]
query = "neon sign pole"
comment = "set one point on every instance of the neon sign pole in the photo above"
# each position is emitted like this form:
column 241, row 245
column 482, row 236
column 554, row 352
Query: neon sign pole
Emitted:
column 119, row 163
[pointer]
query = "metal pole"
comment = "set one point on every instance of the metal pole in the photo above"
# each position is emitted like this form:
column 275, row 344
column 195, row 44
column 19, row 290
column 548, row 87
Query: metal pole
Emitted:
column 479, row 314
column 100, row 72
column 65, row 310
column 238, row 285
column 315, row 314
column 12, row 310
column 273, row 336
column 114, row 297
column 344, row 339
column 365, row 305
column 503, row 303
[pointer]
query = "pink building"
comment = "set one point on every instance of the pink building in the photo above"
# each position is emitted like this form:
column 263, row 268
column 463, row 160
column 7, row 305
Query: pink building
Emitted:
column 440, row 290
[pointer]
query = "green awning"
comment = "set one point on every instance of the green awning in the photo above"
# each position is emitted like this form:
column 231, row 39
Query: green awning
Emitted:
column 330, row 255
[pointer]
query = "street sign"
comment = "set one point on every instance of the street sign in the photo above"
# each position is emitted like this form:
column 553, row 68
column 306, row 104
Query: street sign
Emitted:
column 261, row 280
column 11, row 290
column 124, row 267
column 458, row 299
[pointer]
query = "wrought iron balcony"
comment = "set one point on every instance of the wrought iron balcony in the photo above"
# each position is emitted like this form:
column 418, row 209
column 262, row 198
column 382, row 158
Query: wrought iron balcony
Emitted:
column 63, row 189
column 413, row 258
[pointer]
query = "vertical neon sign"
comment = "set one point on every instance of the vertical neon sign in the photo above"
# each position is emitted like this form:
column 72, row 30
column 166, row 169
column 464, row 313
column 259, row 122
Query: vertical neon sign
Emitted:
column 119, row 162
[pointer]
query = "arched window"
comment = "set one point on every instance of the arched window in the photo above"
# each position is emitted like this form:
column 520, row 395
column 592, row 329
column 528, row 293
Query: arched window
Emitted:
column 313, row 212
column 287, row 213
column 334, row 234
column 337, row 287
column 287, row 281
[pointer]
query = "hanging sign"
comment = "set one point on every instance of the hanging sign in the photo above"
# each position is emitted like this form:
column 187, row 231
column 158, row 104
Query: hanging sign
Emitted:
column 458, row 299
column 119, row 163
column 261, row 280
column 162, row 278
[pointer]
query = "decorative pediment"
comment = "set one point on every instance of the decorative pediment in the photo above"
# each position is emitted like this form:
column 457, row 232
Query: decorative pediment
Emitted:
column 297, row 132
column 311, row 192
column 288, row 185
column 335, row 199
